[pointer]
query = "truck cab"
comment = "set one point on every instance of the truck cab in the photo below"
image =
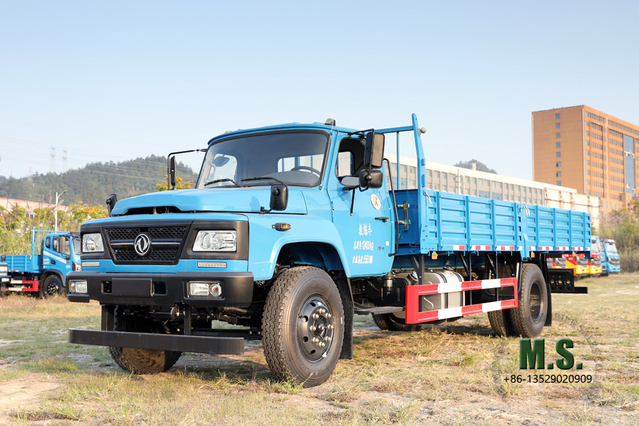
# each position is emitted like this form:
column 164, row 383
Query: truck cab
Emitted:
column 595, row 264
column 61, row 252
column 611, row 257
column 578, row 263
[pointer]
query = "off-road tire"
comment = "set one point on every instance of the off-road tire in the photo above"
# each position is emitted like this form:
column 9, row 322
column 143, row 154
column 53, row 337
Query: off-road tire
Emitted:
column 51, row 286
column 501, row 323
column 389, row 322
column 293, row 307
column 529, row 318
column 139, row 361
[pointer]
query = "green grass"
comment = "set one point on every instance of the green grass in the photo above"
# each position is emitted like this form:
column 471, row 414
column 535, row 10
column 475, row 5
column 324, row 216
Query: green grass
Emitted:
column 450, row 374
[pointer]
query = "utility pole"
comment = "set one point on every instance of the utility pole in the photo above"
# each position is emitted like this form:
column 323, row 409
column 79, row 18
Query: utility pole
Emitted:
column 57, row 197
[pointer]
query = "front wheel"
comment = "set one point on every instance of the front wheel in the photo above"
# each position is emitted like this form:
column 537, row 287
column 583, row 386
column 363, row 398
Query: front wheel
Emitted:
column 529, row 318
column 139, row 361
column 51, row 286
column 303, row 326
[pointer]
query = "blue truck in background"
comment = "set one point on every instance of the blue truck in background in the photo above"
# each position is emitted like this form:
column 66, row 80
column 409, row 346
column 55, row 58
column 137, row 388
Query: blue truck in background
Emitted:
column 610, row 263
column 44, row 271
column 293, row 229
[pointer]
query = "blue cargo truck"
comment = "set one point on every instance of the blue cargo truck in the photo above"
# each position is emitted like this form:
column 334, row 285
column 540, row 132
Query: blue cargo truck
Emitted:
column 44, row 271
column 293, row 229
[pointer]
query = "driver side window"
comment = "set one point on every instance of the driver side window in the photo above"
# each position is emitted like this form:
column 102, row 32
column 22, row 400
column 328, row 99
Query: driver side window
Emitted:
column 350, row 159
column 64, row 246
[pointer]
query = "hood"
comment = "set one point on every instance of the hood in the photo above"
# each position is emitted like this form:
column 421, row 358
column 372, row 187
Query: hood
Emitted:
column 240, row 200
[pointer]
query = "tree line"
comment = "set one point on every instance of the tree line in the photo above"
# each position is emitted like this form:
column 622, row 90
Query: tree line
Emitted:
column 93, row 183
column 623, row 227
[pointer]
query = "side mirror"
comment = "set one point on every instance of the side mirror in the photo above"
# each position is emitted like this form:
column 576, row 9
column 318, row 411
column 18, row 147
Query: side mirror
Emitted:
column 371, row 179
column 172, row 172
column 374, row 156
column 110, row 202
column 279, row 197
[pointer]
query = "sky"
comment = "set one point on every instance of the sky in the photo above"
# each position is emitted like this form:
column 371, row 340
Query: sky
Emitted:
column 116, row 80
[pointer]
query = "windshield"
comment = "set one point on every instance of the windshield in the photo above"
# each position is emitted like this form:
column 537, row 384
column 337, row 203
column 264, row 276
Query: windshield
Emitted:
column 597, row 245
column 295, row 158
column 610, row 246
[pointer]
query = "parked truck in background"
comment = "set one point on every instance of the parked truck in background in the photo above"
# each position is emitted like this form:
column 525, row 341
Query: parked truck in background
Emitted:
column 609, row 255
column 594, row 263
column 293, row 229
column 578, row 262
column 44, row 271
column 612, row 262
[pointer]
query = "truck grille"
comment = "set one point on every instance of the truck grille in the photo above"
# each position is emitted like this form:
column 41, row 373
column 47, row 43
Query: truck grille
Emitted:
column 166, row 242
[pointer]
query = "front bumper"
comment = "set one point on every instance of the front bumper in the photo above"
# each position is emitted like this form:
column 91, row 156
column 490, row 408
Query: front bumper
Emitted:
column 158, row 289
column 159, row 342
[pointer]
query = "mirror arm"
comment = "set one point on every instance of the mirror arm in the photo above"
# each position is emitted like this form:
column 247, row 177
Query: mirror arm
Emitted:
column 168, row 163
column 353, row 202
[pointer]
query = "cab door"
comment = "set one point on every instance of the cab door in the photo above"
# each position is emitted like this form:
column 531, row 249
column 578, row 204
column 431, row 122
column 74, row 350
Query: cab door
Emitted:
column 363, row 218
column 56, row 253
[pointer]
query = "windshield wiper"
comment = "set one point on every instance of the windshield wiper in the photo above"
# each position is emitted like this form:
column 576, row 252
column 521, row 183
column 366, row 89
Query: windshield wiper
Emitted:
column 263, row 178
column 222, row 180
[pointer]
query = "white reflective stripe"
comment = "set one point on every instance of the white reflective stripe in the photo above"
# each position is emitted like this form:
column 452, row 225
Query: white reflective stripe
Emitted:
column 59, row 259
column 491, row 283
column 448, row 287
column 491, row 306
column 450, row 313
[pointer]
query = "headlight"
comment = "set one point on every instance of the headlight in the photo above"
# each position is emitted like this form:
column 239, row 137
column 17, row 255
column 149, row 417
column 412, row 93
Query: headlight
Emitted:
column 4, row 269
column 205, row 289
column 79, row 286
column 215, row 241
column 92, row 243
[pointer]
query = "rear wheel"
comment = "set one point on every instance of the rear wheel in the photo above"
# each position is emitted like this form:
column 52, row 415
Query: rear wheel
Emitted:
column 501, row 323
column 51, row 286
column 139, row 361
column 303, row 326
column 529, row 318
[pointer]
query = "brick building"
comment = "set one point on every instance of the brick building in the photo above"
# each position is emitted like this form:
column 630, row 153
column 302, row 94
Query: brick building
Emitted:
column 593, row 152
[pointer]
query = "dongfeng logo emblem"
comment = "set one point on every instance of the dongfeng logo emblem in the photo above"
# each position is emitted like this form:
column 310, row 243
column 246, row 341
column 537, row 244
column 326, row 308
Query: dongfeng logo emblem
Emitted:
column 142, row 244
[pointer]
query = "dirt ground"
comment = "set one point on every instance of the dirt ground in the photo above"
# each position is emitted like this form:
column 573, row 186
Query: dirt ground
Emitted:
column 449, row 374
